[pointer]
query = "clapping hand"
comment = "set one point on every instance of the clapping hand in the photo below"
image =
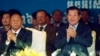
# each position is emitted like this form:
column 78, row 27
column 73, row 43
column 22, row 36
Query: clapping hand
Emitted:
column 11, row 36
column 71, row 32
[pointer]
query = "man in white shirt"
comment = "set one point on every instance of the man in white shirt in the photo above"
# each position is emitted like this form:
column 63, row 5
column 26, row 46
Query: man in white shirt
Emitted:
column 41, row 17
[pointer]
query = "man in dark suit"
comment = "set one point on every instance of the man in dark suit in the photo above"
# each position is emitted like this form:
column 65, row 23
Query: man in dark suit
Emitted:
column 57, row 18
column 74, row 37
column 41, row 17
column 6, row 24
column 17, row 38
column 95, row 27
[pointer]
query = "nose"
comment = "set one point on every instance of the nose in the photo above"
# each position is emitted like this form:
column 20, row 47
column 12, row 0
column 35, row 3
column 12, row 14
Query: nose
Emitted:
column 72, row 17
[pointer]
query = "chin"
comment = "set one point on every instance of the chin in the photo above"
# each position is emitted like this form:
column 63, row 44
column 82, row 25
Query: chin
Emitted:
column 72, row 23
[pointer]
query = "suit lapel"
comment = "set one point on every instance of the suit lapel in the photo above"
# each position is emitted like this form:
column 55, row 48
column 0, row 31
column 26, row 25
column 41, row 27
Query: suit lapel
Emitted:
column 21, row 33
column 46, row 28
column 67, row 25
column 79, row 28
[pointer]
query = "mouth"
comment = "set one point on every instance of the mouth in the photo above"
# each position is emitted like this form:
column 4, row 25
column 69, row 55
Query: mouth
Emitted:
column 72, row 20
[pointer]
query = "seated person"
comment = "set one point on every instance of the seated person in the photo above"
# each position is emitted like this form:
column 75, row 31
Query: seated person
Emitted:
column 17, row 38
column 41, row 17
column 6, row 24
column 57, row 17
column 74, row 36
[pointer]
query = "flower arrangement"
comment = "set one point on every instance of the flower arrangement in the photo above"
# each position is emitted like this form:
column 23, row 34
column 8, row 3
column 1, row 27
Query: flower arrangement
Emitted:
column 29, row 52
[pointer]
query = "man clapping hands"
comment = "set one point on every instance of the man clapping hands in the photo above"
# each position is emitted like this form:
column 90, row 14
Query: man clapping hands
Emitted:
column 11, row 36
column 12, row 43
column 71, row 32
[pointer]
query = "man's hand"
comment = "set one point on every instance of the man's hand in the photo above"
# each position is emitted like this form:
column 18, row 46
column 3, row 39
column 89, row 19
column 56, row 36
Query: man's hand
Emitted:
column 71, row 32
column 8, row 37
column 11, row 36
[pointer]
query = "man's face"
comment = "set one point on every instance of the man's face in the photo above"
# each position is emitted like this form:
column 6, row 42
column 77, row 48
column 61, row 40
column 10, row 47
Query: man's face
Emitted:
column 73, row 17
column 41, row 17
column 6, row 20
column 16, row 21
column 85, row 16
column 57, row 16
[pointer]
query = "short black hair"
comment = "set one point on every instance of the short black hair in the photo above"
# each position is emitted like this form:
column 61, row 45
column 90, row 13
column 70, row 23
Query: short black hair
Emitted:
column 34, row 15
column 57, row 10
column 1, row 14
column 42, row 11
column 6, row 13
column 49, row 15
column 14, row 11
column 73, row 8
column 84, row 9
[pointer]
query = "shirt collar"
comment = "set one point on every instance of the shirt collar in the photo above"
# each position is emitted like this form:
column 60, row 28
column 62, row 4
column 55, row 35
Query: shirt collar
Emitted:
column 44, row 26
column 75, row 26
column 58, row 24
column 17, row 32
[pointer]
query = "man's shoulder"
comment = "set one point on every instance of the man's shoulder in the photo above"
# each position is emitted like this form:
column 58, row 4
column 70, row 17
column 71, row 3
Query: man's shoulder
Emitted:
column 25, row 30
column 1, row 27
column 84, row 25
column 51, row 28
column 63, row 26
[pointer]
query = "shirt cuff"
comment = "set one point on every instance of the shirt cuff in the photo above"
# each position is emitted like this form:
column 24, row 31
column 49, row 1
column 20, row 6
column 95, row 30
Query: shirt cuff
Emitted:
column 7, row 42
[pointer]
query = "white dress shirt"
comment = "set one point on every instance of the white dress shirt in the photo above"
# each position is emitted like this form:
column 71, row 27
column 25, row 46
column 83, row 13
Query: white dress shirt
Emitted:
column 17, row 32
column 44, row 26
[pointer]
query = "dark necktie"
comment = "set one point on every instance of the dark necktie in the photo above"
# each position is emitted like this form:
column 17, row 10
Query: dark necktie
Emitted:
column 41, row 28
column 15, row 33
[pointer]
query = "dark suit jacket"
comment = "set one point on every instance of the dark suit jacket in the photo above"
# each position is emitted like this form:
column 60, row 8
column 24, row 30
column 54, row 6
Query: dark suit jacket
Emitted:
column 79, row 44
column 2, row 29
column 51, row 36
column 60, row 25
column 24, row 39
column 98, row 37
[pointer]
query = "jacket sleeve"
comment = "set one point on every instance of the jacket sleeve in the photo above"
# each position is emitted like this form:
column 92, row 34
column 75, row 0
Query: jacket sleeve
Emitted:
column 3, row 45
column 85, row 38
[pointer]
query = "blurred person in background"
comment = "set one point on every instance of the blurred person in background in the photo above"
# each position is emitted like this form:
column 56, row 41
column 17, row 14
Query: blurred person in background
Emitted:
column 5, row 21
column 1, row 14
column 34, row 21
column 6, row 24
column 57, row 18
column 48, row 18
column 41, row 17
column 85, row 18
column 16, row 38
